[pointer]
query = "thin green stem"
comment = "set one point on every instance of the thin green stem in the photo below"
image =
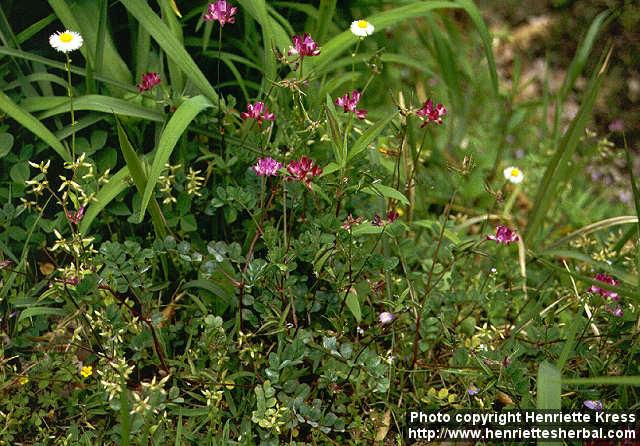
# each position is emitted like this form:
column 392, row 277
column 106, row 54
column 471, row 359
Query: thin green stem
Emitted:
column 73, row 117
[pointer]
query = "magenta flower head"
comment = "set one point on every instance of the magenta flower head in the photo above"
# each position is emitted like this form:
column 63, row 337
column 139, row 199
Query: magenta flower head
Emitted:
column 350, row 102
column 430, row 113
column 605, row 293
column 303, row 170
column 75, row 217
column 221, row 11
column 149, row 80
column 304, row 45
column 593, row 405
column 386, row 317
column 504, row 235
column 267, row 167
column 259, row 112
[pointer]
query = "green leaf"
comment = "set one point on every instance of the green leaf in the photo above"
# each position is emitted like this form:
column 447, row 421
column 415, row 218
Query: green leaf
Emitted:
column 604, row 381
column 387, row 192
column 6, row 143
column 172, row 46
column 353, row 303
column 32, row 124
column 94, row 102
column 140, row 179
column 176, row 126
column 117, row 183
column 558, row 167
column 20, row 172
column 369, row 135
column 334, row 131
column 41, row 311
column 548, row 387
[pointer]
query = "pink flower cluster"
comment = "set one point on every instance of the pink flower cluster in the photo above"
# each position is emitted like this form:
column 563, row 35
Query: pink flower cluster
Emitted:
column 220, row 11
column 303, row 46
column 391, row 217
column 611, row 295
column 149, row 80
column 431, row 113
column 303, row 170
column 351, row 221
column 504, row 235
column 267, row 167
column 350, row 102
column 605, row 293
column 75, row 217
column 259, row 112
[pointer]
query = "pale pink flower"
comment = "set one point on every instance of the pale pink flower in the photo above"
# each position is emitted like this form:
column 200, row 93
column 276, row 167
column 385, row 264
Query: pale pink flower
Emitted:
column 386, row 317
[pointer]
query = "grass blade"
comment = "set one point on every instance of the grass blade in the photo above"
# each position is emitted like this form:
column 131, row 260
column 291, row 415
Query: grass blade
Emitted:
column 548, row 387
column 170, row 45
column 176, row 126
column 107, row 193
column 369, row 135
column 604, row 381
column 557, row 171
column 94, row 102
column 32, row 124
column 140, row 179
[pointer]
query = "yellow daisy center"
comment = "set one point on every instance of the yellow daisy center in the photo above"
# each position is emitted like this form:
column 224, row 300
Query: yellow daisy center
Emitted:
column 515, row 172
column 66, row 37
column 362, row 24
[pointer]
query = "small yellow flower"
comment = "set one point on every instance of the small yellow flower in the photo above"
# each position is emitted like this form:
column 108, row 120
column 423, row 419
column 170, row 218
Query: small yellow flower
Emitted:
column 514, row 175
column 23, row 380
column 86, row 371
column 66, row 41
column 362, row 28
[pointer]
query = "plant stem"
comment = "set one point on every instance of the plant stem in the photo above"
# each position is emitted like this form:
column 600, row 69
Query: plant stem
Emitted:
column 428, row 288
column 73, row 118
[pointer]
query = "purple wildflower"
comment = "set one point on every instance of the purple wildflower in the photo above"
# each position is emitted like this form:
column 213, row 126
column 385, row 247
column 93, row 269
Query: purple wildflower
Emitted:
column 350, row 102
column 267, row 167
column 221, row 11
column 350, row 221
column 472, row 390
column 431, row 113
column 149, row 80
column 504, row 235
column 605, row 293
column 304, row 45
column 259, row 112
column 593, row 405
column 386, row 317
column 303, row 170
column 75, row 217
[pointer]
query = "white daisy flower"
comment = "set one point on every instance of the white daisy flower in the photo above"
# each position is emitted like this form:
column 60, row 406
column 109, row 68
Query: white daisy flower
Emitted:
column 513, row 174
column 362, row 28
column 66, row 41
